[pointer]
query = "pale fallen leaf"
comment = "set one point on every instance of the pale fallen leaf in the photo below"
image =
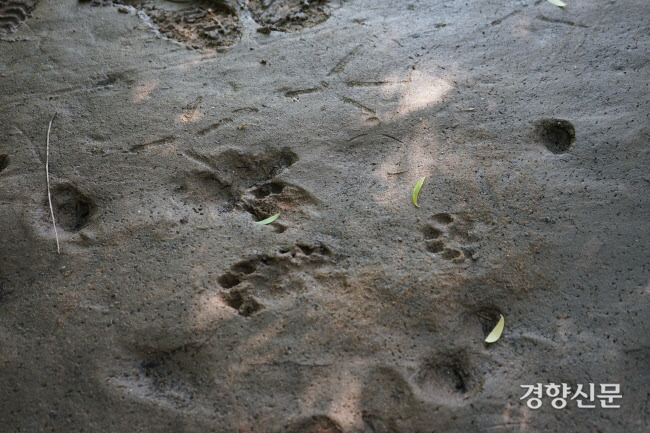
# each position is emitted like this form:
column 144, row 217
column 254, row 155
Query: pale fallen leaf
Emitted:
column 269, row 220
column 496, row 332
column 558, row 3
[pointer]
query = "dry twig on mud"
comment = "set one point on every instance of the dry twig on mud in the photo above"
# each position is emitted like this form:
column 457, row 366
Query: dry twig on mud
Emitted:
column 47, row 177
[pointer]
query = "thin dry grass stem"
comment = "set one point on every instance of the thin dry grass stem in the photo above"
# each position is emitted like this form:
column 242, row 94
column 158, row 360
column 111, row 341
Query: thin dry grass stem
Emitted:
column 47, row 177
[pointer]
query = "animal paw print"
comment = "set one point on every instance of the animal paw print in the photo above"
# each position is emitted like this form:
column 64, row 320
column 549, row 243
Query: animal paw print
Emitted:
column 246, row 181
column 451, row 238
column 267, row 275
column 276, row 196
column 238, row 299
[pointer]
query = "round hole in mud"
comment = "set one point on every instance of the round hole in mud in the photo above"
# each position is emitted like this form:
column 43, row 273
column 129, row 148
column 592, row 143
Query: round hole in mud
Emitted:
column 4, row 162
column 557, row 135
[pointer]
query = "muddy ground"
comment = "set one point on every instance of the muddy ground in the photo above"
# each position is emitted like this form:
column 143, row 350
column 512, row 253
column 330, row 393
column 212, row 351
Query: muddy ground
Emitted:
column 180, row 124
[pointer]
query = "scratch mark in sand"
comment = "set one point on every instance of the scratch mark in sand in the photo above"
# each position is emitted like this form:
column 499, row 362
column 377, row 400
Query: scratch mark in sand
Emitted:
column 344, row 61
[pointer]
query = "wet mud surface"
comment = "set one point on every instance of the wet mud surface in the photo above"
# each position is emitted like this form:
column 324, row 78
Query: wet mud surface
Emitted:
column 180, row 124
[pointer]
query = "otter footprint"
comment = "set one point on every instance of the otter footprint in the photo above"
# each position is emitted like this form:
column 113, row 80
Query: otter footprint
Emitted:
column 276, row 196
column 270, row 275
column 450, row 237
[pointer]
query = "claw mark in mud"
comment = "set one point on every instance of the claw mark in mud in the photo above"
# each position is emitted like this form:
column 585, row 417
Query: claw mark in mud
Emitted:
column 314, row 424
column 99, row 2
column 559, row 21
column 198, row 24
column 288, row 15
column 270, row 275
column 298, row 92
column 451, row 238
column 448, row 376
column 13, row 13
column 245, row 109
column 391, row 137
column 215, row 125
column 163, row 140
column 344, row 61
column 557, row 135
column 356, row 136
column 373, row 83
column 72, row 208
column 356, row 104
column 505, row 17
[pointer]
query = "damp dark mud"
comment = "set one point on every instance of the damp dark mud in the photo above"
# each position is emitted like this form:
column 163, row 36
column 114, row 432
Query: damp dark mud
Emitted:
column 181, row 124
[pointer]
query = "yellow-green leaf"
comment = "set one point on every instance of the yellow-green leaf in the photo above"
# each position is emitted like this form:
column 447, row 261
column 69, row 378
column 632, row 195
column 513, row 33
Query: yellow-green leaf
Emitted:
column 416, row 190
column 558, row 3
column 269, row 220
column 496, row 332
